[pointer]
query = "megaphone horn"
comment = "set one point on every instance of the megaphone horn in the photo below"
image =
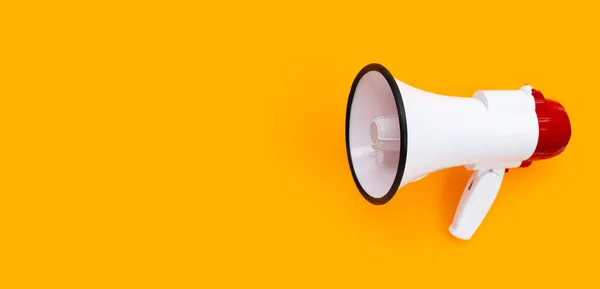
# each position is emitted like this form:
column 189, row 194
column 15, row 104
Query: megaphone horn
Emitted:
column 397, row 134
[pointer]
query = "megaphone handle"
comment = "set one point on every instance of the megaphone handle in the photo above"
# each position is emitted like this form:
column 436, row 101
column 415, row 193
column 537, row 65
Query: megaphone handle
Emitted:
column 476, row 201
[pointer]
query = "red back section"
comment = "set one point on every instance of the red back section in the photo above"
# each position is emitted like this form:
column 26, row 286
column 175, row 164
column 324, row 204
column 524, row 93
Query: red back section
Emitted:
column 554, row 126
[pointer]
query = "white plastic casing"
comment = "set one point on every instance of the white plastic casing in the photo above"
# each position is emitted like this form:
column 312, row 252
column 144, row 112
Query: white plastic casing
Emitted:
column 486, row 133
column 492, row 128
column 492, row 131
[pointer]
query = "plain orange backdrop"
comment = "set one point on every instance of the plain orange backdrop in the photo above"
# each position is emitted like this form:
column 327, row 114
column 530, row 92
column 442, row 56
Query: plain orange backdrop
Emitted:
column 200, row 144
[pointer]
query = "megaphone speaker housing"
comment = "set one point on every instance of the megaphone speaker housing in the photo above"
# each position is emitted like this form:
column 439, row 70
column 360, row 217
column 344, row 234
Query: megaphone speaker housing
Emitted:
column 375, row 93
column 397, row 134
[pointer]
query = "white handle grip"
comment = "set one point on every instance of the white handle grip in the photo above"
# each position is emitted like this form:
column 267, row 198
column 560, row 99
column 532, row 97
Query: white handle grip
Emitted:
column 476, row 201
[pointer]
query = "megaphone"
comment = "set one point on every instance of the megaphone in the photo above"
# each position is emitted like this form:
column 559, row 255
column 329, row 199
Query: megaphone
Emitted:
column 397, row 134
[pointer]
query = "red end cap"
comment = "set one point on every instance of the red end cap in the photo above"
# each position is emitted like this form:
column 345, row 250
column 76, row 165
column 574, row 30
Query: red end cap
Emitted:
column 554, row 127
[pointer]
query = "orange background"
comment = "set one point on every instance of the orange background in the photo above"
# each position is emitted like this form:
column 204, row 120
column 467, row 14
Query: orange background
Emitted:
column 201, row 145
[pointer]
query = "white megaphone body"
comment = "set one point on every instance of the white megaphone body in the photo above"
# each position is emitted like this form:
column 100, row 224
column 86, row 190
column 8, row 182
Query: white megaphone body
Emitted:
column 397, row 134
